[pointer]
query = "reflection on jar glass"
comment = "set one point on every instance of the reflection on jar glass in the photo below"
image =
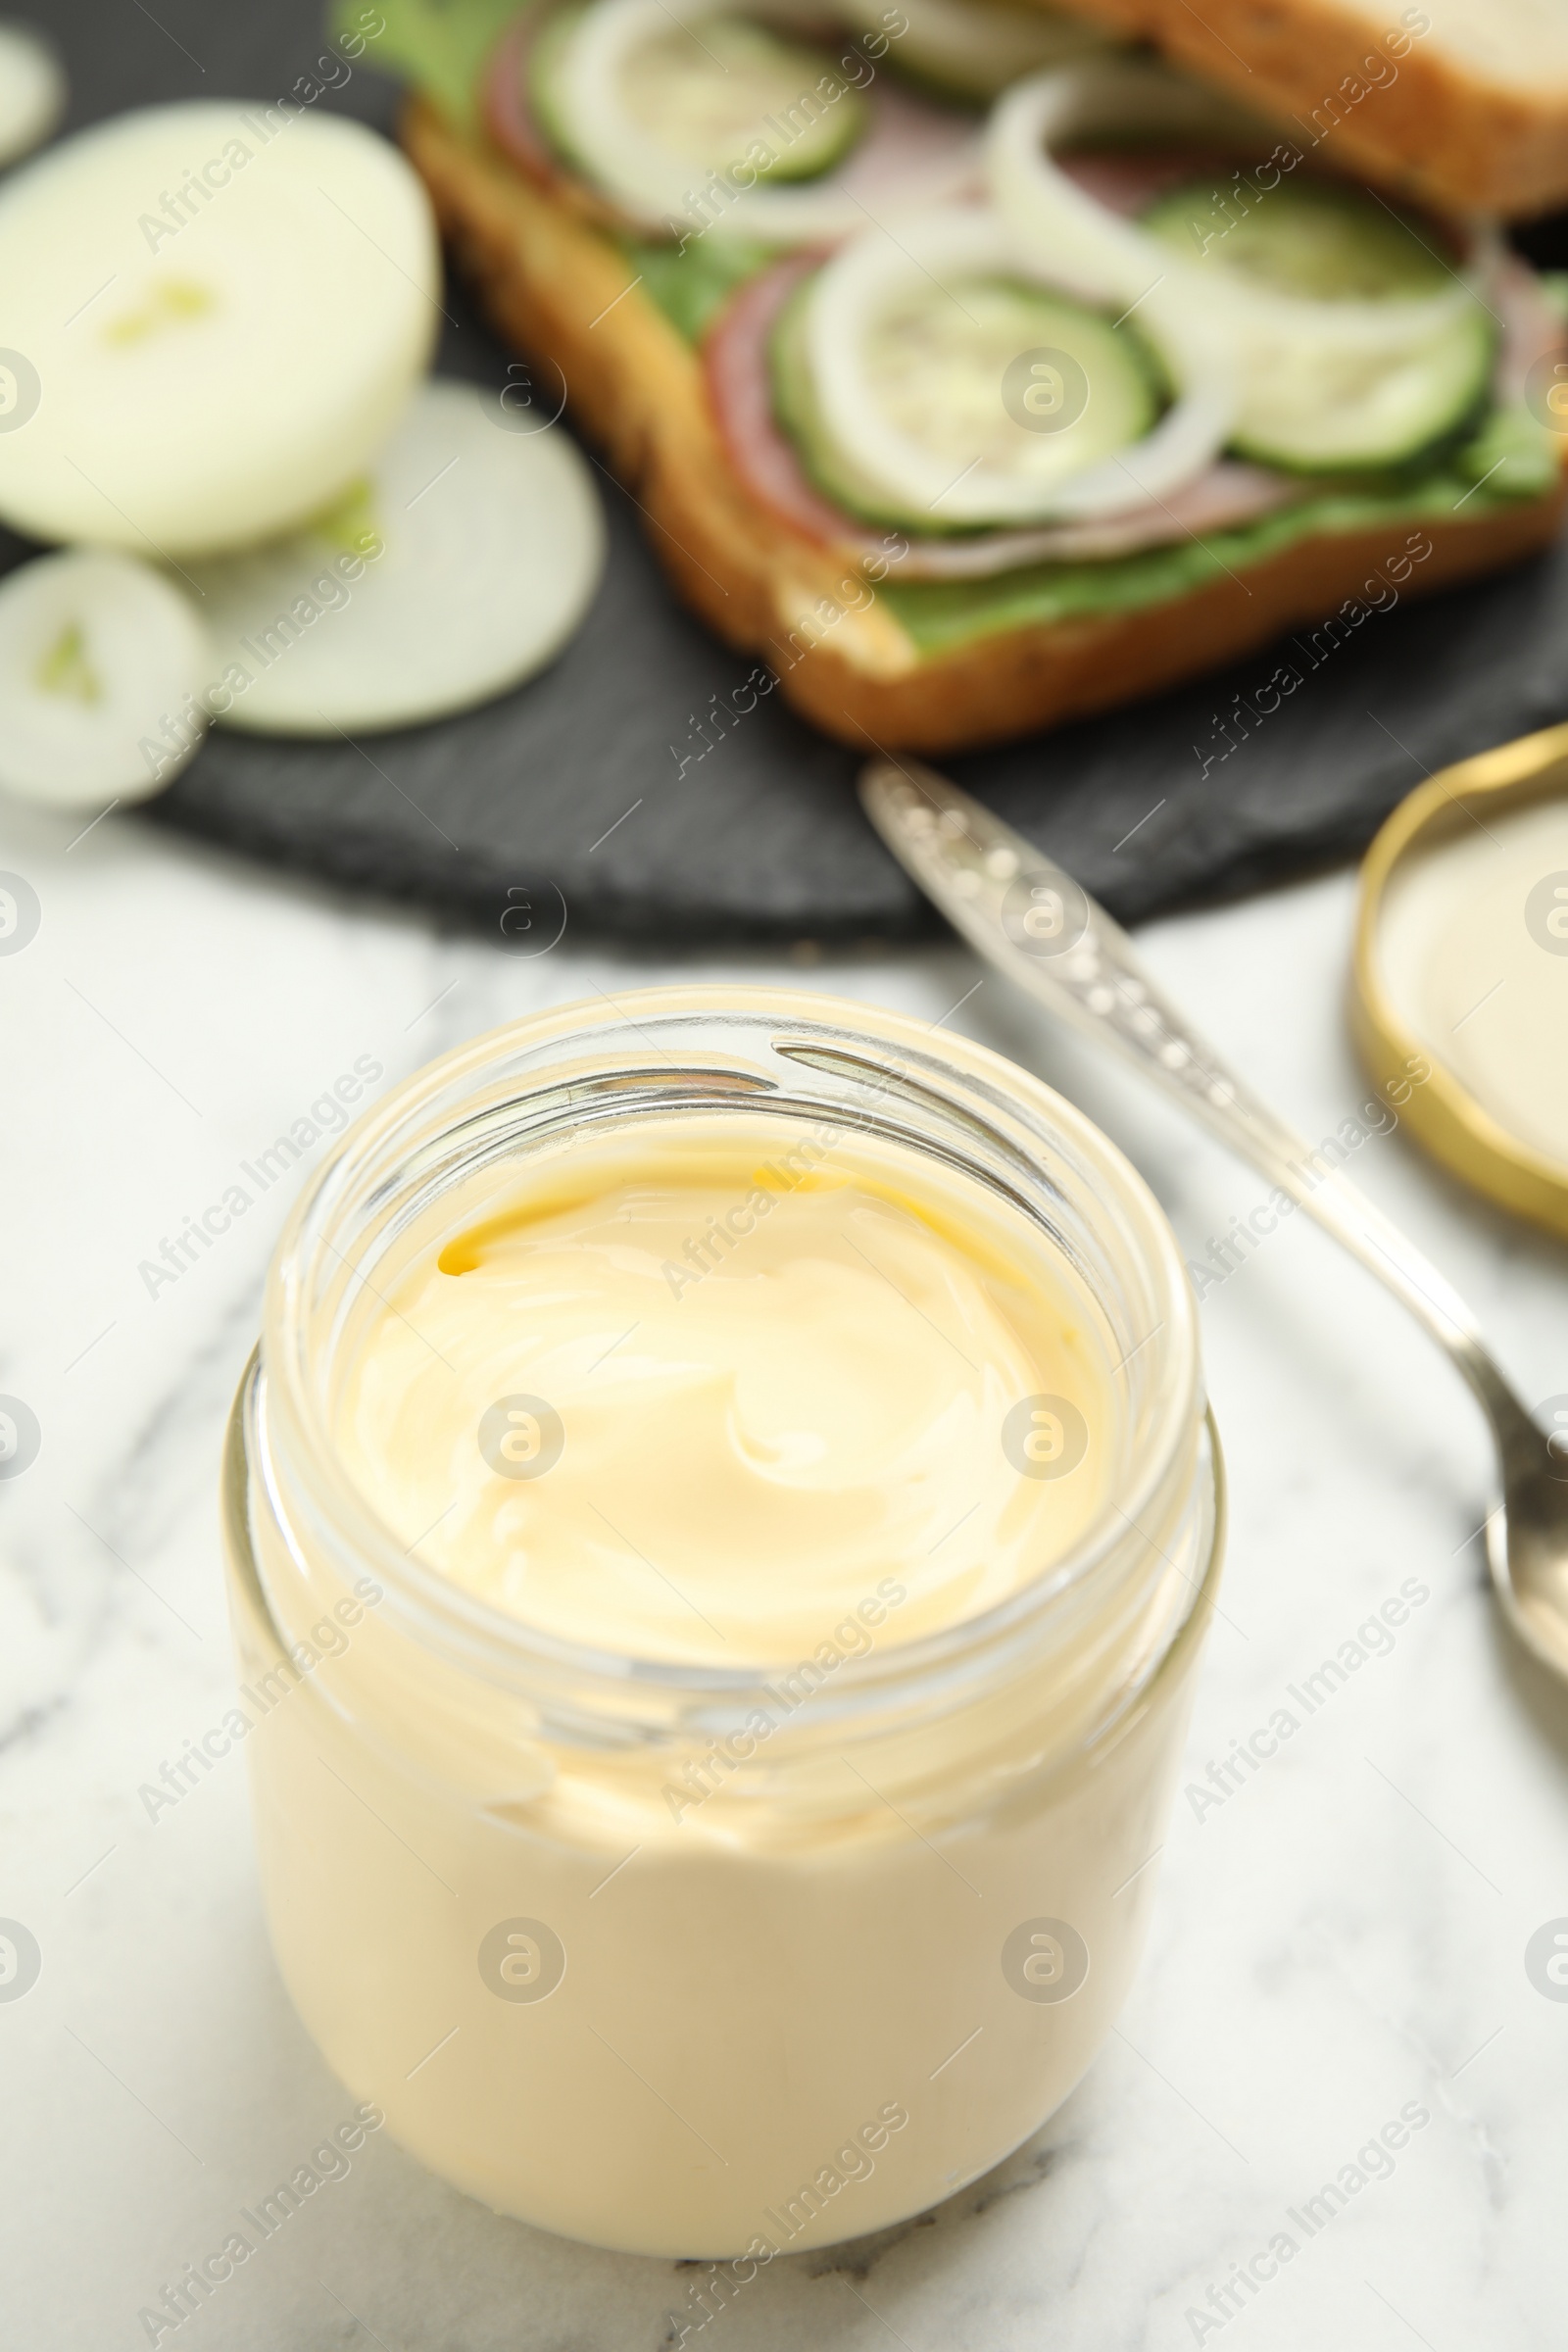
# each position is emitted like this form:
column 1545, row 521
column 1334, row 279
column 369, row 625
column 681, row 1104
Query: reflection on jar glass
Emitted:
column 722, row 1522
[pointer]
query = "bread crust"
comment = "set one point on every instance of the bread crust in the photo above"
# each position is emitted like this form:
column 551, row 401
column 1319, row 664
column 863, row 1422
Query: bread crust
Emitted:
column 1437, row 130
column 562, row 293
column 1027, row 679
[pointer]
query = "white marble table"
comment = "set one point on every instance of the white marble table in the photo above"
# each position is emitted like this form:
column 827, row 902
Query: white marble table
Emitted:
column 1340, row 1938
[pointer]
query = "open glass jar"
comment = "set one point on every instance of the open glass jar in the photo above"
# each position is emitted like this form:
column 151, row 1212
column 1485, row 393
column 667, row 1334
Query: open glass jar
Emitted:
column 894, row 1930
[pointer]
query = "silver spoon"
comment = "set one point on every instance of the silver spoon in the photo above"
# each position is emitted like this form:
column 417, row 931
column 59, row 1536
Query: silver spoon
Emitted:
column 1031, row 919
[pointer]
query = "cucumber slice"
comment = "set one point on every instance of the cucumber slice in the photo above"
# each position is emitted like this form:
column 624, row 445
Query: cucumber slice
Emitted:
column 937, row 365
column 1307, row 237
column 970, row 49
column 707, row 91
column 1348, row 411
column 460, row 567
column 950, row 383
column 101, row 666
column 33, row 91
column 700, row 93
column 1312, row 405
column 794, row 407
column 220, row 311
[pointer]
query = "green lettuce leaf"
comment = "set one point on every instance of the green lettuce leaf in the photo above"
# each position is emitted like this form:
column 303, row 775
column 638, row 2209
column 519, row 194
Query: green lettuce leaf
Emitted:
column 942, row 613
column 690, row 287
column 439, row 45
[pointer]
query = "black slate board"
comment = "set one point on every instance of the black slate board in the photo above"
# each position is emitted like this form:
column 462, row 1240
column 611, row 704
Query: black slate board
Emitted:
column 567, row 797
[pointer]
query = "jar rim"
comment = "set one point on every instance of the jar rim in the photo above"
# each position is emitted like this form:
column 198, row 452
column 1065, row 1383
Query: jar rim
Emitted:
column 990, row 1091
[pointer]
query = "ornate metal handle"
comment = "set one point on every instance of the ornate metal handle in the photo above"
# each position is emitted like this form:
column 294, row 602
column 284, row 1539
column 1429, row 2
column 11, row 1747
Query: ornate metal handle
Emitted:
column 1028, row 916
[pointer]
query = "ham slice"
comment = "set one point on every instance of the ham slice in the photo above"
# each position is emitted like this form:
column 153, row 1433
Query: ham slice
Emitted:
column 740, row 388
column 1533, row 328
column 914, row 152
column 508, row 115
column 741, row 393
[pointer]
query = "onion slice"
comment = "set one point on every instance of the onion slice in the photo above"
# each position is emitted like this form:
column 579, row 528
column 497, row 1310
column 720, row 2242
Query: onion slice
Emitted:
column 102, row 662
column 464, row 563
column 1051, row 214
column 655, row 183
column 853, row 292
column 33, row 90
column 213, row 315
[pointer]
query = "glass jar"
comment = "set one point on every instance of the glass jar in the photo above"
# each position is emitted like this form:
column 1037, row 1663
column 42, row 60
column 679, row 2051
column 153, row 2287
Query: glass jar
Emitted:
column 890, row 1919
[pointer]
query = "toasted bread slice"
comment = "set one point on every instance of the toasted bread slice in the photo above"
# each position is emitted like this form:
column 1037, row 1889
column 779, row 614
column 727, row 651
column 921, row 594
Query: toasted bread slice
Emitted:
column 1464, row 102
column 560, row 291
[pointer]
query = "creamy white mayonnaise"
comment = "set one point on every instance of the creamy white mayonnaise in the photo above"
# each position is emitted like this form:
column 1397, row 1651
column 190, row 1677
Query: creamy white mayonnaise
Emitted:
column 751, row 1393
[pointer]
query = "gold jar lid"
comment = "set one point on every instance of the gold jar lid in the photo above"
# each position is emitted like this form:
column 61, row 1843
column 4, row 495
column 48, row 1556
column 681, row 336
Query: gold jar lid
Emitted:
column 1444, row 831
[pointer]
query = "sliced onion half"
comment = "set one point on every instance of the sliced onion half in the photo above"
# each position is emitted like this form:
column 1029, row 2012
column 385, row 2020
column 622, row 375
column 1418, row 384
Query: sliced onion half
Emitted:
column 213, row 316
column 595, row 80
column 1138, row 101
column 102, row 667
column 459, row 566
column 33, row 90
column 863, row 283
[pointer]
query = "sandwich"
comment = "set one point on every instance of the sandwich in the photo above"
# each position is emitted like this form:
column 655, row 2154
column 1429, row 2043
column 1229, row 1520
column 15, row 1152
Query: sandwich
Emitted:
column 971, row 367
